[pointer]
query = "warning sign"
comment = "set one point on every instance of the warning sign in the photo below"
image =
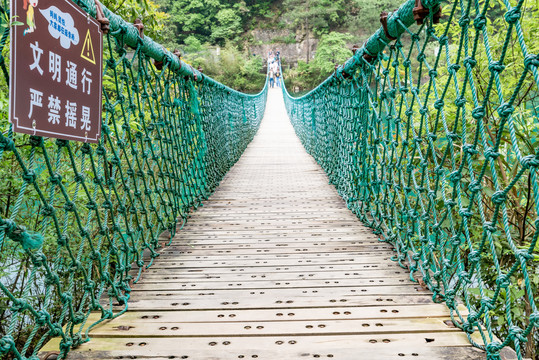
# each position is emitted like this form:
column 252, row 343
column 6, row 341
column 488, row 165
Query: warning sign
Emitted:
column 88, row 49
column 56, row 71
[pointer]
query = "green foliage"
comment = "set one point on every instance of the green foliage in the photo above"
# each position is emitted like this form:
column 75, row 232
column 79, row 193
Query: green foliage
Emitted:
column 232, row 67
column 227, row 26
column 364, row 15
column 318, row 16
column 146, row 10
column 332, row 49
column 192, row 44
column 288, row 39
column 212, row 21
column 517, row 139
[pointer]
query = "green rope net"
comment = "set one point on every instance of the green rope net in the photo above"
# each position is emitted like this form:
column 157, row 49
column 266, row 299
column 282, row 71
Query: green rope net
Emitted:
column 429, row 133
column 78, row 222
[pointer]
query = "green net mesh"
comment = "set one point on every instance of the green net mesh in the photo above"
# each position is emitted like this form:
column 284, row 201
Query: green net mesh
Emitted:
column 431, row 139
column 80, row 222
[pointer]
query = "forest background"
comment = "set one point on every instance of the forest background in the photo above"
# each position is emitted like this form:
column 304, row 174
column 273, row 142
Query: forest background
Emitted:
column 230, row 40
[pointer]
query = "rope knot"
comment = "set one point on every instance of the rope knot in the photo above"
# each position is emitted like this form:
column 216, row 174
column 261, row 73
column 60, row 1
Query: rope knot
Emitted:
column 43, row 317
column 531, row 60
column 503, row 281
column 469, row 149
column 505, row 110
column 443, row 40
column 460, row 101
column 36, row 141
column 534, row 318
column 55, row 179
column 469, row 61
column 29, row 176
column 491, row 154
column 6, row 344
column 56, row 330
column 487, row 303
column 86, row 149
column 469, row 325
column 52, row 279
column 513, row 15
column 478, row 113
column 69, row 206
column 499, row 197
column 465, row 212
column 524, row 255
column 39, row 259
column 464, row 21
column 453, row 68
column 475, row 186
column 6, row 143
column 66, row 297
column 516, row 332
column 496, row 66
column 489, row 226
column 480, row 22
column 439, row 104
column 530, row 161
column 474, row 257
column 450, row 203
column 65, row 344
column 18, row 305
column 455, row 176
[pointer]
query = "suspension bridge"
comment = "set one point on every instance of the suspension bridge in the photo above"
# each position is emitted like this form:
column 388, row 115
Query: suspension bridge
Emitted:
column 275, row 265
column 389, row 213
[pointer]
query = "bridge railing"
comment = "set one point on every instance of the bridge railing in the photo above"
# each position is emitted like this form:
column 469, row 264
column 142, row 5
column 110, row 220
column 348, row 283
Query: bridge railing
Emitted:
column 79, row 222
column 429, row 132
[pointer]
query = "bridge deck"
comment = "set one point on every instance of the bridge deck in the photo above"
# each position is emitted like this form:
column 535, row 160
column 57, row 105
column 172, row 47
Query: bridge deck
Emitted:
column 274, row 266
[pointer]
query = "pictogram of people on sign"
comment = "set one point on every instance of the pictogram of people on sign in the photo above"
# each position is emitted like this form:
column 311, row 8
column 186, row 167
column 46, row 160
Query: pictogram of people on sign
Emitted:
column 29, row 6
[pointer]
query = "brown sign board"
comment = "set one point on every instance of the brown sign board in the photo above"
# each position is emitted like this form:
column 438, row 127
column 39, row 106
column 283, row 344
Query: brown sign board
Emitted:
column 56, row 71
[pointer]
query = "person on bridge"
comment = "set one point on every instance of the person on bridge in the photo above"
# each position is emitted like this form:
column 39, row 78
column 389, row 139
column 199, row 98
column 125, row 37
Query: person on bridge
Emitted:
column 278, row 78
column 271, row 79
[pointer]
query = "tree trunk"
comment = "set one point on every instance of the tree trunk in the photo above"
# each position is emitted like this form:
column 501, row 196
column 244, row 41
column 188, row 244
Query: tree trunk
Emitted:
column 307, row 41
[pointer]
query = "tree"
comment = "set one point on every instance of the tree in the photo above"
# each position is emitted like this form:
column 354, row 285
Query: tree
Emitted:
column 332, row 49
column 313, row 17
column 227, row 26
column 146, row 10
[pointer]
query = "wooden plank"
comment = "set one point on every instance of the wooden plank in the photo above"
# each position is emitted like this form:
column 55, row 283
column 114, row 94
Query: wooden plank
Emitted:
column 213, row 284
column 168, row 259
column 300, row 250
column 284, row 315
column 247, row 295
column 313, row 300
column 261, row 267
column 443, row 346
column 324, row 245
column 148, row 328
column 291, row 275
column 358, row 257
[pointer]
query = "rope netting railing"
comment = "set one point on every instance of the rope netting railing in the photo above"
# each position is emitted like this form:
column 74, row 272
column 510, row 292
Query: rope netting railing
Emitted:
column 429, row 132
column 80, row 222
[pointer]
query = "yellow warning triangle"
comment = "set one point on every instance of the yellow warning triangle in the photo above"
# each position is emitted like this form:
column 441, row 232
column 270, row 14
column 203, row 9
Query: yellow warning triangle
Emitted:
column 88, row 49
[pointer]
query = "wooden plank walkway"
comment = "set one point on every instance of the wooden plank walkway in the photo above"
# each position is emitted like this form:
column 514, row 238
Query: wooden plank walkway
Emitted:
column 274, row 266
